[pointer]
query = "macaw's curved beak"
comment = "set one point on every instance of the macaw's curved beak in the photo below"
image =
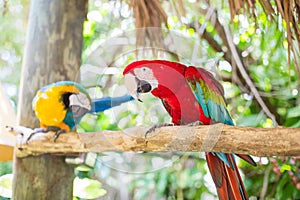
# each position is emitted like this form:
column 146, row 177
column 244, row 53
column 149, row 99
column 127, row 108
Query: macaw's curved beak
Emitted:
column 78, row 111
column 135, row 86
column 79, row 104
column 142, row 87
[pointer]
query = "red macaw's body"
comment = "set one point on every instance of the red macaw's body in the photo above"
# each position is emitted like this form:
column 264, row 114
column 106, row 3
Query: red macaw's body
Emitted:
column 190, row 94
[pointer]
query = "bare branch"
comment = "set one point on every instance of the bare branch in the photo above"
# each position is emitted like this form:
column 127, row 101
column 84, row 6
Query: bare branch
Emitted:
column 246, row 76
column 228, row 56
column 266, row 182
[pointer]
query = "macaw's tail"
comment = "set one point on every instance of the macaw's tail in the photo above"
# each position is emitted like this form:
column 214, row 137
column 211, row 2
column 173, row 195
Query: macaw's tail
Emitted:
column 226, row 176
column 102, row 104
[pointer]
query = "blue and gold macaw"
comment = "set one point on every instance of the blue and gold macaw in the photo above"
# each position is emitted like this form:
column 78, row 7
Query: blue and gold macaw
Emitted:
column 59, row 106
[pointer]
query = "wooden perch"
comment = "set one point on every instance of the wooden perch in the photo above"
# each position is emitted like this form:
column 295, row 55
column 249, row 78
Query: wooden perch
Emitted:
column 278, row 141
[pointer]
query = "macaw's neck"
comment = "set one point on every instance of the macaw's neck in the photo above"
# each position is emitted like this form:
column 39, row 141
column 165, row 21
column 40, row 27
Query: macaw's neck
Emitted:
column 180, row 102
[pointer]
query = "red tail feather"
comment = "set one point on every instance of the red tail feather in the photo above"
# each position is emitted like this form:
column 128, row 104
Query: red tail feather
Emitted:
column 247, row 159
column 227, row 179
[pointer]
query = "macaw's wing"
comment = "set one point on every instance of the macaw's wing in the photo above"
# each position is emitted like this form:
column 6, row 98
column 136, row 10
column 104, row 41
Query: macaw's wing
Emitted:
column 209, row 94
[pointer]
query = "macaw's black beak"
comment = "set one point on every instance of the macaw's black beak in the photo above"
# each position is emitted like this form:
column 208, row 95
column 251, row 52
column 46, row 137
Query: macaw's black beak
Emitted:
column 78, row 111
column 142, row 87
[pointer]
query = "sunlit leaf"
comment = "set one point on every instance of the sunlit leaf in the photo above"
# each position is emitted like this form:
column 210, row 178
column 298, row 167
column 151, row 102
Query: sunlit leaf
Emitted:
column 88, row 188
column 285, row 167
column 6, row 185
column 88, row 28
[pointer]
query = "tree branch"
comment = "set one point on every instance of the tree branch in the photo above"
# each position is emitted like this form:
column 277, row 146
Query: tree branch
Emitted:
column 278, row 141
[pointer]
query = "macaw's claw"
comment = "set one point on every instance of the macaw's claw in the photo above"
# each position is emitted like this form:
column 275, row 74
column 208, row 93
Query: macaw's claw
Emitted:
column 44, row 130
column 35, row 131
column 152, row 129
column 57, row 134
column 196, row 123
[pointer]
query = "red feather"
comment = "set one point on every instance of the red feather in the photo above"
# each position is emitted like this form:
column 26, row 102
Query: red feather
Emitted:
column 227, row 179
column 180, row 102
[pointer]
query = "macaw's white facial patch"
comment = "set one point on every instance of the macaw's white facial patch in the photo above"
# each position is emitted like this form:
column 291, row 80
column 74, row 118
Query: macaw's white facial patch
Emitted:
column 80, row 100
column 146, row 74
column 131, row 85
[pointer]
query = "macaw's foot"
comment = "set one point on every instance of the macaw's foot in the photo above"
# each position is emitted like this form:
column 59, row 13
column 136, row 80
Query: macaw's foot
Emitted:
column 196, row 123
column 35, row 131
column 57, row 134
column 152, row 129
column 42, row 130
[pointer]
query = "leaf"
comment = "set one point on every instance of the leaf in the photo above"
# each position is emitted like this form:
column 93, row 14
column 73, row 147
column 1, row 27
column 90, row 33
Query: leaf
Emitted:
column 86, row 188
column 82, row 171
column 296, row 125
column 285, row 167
column 251, row 120
column 280, row 192
column 83, row 168
column 6, row 185
column 183, row 179
column 293, row 112
column 162, row 182
column 88, row 28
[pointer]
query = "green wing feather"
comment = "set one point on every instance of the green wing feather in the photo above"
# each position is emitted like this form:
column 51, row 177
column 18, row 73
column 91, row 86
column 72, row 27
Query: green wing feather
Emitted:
column 209, row 94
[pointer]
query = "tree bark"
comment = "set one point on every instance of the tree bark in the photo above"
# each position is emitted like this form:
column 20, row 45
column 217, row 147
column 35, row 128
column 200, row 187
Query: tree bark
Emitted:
column 52, row 53
column 43, row 177
column 279, row 141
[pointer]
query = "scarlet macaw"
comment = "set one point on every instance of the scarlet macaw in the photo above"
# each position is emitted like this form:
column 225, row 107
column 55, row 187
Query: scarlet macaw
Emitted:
column 64, row 103
column 189, row 95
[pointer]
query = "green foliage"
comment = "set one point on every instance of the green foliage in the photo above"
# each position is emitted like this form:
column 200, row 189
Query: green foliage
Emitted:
column 5, row 168
column 184, row 179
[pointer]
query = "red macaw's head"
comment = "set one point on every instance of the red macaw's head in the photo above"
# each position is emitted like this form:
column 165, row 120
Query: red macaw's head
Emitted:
column 157, row 76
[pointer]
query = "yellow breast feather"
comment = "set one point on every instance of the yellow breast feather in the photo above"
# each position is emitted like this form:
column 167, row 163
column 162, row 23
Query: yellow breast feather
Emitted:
column 49, row 107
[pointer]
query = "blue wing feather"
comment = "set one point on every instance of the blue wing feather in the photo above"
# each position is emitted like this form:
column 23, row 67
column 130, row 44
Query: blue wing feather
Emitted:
column 211, row 97
column 199, row 94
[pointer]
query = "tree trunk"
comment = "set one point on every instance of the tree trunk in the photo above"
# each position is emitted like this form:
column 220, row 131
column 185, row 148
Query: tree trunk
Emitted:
column 52, row 53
